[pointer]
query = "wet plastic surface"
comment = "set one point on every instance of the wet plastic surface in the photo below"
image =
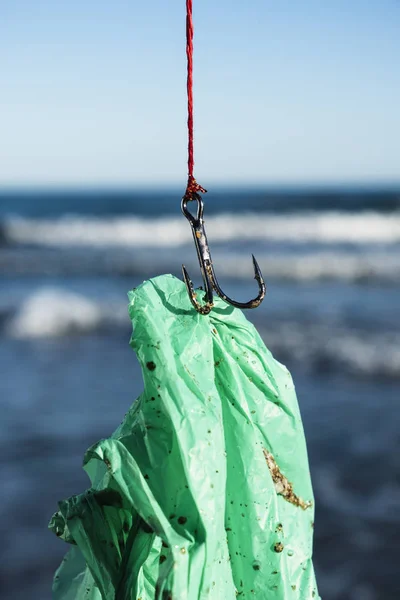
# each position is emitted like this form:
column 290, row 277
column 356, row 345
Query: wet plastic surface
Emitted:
column 204, row 490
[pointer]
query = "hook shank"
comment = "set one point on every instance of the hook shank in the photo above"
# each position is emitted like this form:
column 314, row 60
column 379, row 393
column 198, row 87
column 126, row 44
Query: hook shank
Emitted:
column 206, row 265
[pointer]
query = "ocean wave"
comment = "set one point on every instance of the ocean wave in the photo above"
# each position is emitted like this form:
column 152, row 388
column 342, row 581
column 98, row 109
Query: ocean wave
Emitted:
column 316, row 345
column 305, row 267
column 132, row 231
column 342, row 265
column 51, row 312
column 326, row 347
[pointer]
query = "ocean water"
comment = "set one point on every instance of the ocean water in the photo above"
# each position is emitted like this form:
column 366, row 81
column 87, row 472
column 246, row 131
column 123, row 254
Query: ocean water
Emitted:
column 331, row 260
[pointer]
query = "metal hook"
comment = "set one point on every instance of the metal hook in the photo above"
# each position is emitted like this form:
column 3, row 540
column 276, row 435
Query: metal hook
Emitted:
column 206, row 265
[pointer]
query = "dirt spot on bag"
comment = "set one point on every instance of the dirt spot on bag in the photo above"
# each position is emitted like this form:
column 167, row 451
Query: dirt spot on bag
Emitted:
column 283, row 487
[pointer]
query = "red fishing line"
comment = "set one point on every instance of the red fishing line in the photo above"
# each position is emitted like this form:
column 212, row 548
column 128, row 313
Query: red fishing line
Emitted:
column 192, row 186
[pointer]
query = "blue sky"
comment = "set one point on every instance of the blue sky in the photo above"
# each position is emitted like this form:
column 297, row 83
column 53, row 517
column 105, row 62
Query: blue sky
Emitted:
column 93, row 92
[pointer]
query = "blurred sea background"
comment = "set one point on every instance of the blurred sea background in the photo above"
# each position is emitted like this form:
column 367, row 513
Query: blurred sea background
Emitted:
column 331, row 259
column 297, row 138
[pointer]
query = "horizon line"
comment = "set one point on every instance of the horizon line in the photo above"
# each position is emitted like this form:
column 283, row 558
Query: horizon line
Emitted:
column 387, row 184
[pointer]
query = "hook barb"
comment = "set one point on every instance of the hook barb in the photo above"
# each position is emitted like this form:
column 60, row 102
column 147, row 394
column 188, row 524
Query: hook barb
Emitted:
column 203, row 309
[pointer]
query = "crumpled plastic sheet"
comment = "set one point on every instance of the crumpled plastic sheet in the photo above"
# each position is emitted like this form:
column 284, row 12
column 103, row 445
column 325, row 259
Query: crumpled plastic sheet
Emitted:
column 204, row 490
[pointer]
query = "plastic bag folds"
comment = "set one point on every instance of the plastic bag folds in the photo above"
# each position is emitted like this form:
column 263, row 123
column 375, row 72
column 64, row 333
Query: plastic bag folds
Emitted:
column 204, row 490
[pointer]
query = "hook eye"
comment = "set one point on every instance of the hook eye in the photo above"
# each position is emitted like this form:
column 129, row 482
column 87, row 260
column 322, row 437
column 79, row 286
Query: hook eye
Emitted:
column 200, row 208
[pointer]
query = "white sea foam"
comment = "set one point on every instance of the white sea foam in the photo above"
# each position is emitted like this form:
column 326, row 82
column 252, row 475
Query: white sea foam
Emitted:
column 52, row 312
column 348, row 265
column 316, row 345
column 303, row 267
column 325, row 346
column 321, row 227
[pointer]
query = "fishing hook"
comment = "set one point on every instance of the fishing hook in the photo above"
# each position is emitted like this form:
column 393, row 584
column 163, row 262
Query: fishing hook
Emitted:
column 206, row 265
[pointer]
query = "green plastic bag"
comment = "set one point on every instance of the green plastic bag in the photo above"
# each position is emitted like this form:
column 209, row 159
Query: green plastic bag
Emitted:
column 190, row 497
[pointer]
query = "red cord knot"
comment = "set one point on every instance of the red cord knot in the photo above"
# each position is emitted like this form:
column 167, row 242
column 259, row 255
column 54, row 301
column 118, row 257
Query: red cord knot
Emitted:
column 193, row 188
